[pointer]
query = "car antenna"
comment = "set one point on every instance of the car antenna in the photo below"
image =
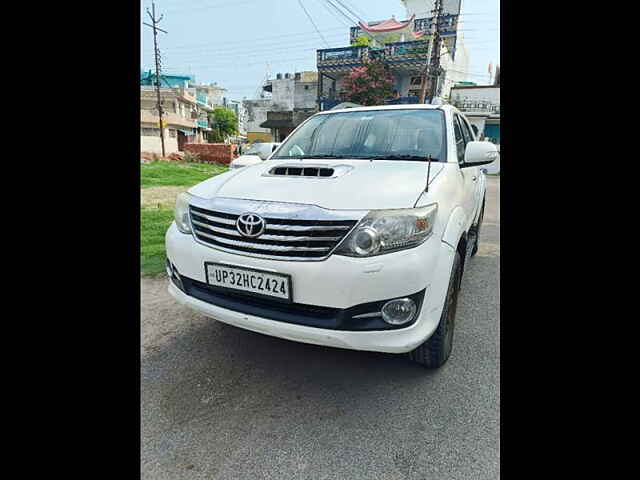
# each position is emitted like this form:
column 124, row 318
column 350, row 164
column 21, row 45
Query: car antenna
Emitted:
column 428, row 171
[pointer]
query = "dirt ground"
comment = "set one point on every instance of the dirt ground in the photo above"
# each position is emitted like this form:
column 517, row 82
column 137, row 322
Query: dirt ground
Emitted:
column 160, row 197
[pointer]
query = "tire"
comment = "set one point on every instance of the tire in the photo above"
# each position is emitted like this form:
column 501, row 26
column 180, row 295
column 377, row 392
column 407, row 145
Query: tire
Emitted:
column 474, row 250
column 434, row 352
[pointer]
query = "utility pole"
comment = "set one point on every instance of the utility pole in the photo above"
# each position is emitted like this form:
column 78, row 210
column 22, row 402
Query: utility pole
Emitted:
column 154, row 25
column 432, row 67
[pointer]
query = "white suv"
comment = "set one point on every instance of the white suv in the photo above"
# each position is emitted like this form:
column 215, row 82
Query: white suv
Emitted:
column 353, row 234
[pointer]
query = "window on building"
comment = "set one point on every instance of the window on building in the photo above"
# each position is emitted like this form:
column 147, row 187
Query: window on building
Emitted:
column 172, row 133
column 150, row 132
column 416, row 80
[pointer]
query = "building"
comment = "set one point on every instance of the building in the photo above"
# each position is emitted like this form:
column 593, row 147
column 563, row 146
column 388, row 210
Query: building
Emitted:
column 181, row 116
column 187, row 106
column 256, row 114
column 148, row 79
column 403, row 47
column 288, row 100
column 481, row 105
column 210, row 95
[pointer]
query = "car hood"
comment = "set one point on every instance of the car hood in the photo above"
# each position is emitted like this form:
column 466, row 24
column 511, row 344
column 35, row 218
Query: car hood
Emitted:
column 247, row 160
column 360, row 184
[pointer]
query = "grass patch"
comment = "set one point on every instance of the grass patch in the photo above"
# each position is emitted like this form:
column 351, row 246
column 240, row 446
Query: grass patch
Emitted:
column 156, row 212
column 162, row 174
column 154, row 223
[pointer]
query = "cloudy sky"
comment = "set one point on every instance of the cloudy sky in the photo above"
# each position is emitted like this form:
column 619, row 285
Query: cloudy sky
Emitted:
column 236, row 43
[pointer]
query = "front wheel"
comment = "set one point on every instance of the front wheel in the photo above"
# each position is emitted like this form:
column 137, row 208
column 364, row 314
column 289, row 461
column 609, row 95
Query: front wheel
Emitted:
column 436, row 350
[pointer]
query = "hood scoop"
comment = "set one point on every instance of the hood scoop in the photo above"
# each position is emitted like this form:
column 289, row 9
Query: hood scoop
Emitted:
column 309, row 171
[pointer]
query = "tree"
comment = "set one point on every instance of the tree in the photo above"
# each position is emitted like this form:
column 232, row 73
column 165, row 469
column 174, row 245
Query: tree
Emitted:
column 224, row 123
column 361, row 41
column 370, row 84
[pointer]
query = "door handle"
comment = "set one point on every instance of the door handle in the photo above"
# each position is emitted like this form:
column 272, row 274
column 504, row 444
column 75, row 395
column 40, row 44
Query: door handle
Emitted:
column 474, row 178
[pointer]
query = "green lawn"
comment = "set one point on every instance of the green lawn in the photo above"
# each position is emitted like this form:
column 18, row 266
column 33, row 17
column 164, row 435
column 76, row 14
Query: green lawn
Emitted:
column 162, row 174
column 154, row 221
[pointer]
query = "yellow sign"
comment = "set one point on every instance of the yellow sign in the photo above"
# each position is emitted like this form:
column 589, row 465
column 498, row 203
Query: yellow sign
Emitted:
column 164, row 124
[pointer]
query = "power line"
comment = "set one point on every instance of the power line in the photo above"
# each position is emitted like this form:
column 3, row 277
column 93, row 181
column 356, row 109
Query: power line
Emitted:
column 321, row 2
column 313, row 23
column 249, row 40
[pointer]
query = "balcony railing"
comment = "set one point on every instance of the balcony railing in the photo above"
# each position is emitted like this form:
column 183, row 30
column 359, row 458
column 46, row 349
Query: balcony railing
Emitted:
column 396, row 52
column 345, row 53
column 406, row 48
column 477, row 106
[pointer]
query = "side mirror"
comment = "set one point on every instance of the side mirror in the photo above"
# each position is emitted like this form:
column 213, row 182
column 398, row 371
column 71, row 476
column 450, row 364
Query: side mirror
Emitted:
column 479, row 153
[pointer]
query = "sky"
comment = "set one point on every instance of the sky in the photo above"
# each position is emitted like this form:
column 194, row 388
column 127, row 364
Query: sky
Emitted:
column 237, row 43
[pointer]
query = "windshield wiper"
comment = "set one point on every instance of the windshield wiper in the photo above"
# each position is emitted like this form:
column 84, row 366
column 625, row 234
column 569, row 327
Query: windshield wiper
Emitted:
column 301, row 157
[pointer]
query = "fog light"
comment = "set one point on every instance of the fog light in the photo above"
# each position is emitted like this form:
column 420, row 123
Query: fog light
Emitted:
column 168, row 267
column 399, row 312
column 176, row 278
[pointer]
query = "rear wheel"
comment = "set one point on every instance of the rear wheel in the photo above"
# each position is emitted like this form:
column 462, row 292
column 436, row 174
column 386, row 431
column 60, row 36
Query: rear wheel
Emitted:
column 436, row 350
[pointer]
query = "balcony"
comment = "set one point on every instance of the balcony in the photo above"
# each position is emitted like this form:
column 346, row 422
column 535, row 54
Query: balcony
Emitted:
column 399, row 56
column 482, row 107
column 172, row 119
column 346, row 56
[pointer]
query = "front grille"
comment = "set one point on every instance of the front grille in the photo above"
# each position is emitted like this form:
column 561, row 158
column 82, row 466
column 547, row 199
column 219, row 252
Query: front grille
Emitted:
column 283, row 238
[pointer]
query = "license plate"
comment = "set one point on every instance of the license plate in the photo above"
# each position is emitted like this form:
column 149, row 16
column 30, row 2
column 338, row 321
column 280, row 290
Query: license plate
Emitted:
column 248, row 280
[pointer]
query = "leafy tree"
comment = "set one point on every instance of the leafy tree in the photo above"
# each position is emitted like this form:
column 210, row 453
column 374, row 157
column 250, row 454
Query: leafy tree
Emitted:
column 370, row 84
column 224, row 123
column 361, row 41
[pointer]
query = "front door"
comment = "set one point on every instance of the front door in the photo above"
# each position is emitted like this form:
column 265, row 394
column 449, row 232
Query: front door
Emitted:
column 182, row 139
column 470, row 179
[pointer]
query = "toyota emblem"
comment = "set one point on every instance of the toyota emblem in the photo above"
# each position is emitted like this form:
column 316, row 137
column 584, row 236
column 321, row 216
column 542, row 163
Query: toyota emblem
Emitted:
column 250, row 225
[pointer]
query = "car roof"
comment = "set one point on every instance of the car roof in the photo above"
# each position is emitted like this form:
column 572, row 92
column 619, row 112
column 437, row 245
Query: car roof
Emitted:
column 403, row 106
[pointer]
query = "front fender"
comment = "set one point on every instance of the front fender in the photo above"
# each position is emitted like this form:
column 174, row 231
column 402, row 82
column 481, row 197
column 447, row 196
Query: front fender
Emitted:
column 455, row 227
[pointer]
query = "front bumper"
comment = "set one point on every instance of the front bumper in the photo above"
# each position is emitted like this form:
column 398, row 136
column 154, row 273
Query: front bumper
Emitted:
column 338, row 282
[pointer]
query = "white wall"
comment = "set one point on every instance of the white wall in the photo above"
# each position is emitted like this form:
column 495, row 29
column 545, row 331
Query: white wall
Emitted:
column 256, row 114
column 282, row 94
column 154, row 144
column 489, row 93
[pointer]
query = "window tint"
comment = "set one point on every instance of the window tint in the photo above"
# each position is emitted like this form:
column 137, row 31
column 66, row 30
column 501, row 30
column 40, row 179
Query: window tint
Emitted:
column 466, row 131
column 460, row 143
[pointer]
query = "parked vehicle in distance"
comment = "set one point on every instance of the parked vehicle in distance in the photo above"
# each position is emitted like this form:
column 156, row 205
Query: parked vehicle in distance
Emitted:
column 355, row 233
column 256, row 154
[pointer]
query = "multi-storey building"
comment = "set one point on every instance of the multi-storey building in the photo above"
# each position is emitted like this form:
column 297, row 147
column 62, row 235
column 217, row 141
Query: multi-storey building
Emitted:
column 288, row 99
column 186, row 106
column 481, row 105
column 403, row 47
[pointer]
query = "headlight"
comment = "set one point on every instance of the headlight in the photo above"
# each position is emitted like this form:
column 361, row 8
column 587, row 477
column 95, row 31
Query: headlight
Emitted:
column 182, row 213
column 384, row 231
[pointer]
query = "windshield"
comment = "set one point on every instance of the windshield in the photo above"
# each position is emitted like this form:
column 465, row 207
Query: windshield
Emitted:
column 254, row 150
column 373, row 134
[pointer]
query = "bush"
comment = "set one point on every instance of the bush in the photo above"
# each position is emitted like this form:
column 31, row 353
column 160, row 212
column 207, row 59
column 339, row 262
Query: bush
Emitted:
column 191, row 157
column 370, row 84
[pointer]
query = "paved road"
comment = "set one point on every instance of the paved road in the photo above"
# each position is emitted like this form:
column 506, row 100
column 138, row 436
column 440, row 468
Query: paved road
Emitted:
column 224, row 403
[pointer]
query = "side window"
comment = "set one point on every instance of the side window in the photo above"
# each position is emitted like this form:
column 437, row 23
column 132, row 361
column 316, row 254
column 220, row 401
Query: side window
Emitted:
column 466, row 130
column 460, row 142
